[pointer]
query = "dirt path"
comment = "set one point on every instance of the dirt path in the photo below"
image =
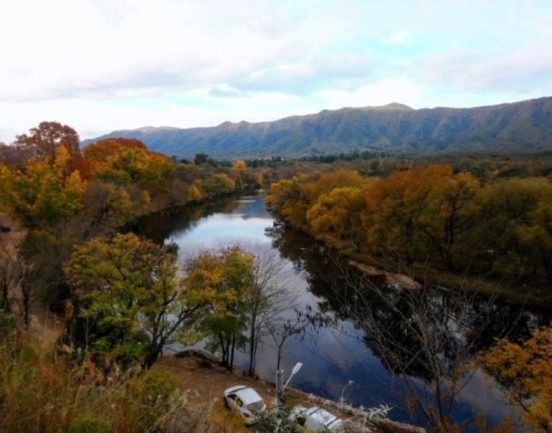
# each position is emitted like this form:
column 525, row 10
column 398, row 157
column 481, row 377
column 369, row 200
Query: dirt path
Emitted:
column 206, row 381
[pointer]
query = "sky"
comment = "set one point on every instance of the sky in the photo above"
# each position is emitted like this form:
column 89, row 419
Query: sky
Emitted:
column 103, row 65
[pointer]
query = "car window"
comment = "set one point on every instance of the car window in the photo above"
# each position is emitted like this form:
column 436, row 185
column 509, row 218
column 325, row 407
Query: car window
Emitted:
column 256, row 405
column 239, row 402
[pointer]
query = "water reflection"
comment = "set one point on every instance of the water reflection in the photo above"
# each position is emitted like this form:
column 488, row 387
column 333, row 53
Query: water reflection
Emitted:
column 374, row 336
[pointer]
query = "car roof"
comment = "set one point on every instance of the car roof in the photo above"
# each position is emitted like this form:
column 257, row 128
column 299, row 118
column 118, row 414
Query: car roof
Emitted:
column 245, row 394
column 323, row 416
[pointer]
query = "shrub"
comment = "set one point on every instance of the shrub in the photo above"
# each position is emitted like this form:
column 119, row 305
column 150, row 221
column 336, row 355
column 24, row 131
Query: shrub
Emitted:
column 89, row 423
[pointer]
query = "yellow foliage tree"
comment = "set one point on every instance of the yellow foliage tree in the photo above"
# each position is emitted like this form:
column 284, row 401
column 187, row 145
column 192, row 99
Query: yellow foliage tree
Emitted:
column 224, row 276
column 338, row 213
column 41, row 194
column 403, row 211
column 127, row 160
column 526, row 371
column 239, row 164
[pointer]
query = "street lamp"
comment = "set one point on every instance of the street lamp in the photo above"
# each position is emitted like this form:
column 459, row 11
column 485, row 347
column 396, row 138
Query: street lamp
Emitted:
column 280, row 386
column 342, row 399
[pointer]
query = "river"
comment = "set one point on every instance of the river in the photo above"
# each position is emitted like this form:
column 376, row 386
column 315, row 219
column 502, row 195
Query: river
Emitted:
column 332, row 354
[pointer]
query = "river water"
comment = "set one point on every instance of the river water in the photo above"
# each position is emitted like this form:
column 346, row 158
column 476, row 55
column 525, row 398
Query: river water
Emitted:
column 335, row 353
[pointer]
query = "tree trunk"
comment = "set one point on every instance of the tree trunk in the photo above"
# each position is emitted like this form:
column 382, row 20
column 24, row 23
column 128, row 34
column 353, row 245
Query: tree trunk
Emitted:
column 232, row 350
column 252, row 347
column 152, row 355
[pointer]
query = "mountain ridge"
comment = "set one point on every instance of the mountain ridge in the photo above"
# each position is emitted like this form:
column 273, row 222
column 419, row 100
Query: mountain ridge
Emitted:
column 524, row 126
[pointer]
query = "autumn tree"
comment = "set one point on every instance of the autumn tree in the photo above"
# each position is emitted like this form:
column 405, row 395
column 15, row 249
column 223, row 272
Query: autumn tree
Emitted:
column 217, row 183
column 457, row 194
column 338, row 213
column 289, row 201
column 525, row 369
column 109, row 205
column 14, row 156
column 129, row 161
column 239, row 164
column 292, row 198
column 514, row 227
column 128, row 300
column 45, row 139
column 226, row 275
column 41, row 194
column 427, row 214
column 43, row 142
column 402, row 209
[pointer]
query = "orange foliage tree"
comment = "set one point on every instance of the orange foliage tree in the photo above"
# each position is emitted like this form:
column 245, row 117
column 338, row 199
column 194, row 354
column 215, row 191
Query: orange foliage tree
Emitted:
column 43, row 141
column 526, row 371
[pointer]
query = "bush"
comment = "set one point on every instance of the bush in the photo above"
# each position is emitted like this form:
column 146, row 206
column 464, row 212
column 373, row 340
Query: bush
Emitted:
column 156, row 389
column 89, row 423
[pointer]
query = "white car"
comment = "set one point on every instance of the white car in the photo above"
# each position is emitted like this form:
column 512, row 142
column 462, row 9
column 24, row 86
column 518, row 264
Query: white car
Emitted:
column 316, row 419
column 245, row 401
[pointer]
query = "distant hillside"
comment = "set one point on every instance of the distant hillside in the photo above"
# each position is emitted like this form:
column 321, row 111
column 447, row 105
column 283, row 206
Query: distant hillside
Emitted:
column 395, row 128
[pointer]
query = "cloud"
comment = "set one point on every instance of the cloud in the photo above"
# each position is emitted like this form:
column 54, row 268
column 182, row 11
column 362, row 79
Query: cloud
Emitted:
column 527, row 67
column 97, row 64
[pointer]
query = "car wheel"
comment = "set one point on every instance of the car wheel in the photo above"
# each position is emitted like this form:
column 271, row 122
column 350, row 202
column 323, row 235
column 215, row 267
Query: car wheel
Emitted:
column 226, row 403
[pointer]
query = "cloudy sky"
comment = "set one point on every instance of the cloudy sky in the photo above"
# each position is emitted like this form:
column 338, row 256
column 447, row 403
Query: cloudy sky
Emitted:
column 100, row 65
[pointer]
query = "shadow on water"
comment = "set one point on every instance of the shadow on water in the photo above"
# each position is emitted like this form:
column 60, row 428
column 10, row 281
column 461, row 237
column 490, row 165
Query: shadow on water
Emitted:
column 391, row 343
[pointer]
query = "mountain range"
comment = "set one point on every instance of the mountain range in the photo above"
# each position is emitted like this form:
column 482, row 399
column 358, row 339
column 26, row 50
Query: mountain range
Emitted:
column 524, row 126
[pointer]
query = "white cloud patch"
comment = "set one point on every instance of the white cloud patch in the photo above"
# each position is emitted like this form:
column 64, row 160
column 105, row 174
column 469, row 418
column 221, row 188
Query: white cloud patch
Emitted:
column 101, row 65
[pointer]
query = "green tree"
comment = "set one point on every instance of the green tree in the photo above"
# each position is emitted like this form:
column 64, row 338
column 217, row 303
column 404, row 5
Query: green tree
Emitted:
column 226, row 275
column 128, row 299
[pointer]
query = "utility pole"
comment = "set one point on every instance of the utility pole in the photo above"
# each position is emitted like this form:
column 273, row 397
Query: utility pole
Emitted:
column 280, row 385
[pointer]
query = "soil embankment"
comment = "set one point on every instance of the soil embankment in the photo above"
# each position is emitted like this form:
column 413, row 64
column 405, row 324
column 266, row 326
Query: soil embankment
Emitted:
column 205, row 381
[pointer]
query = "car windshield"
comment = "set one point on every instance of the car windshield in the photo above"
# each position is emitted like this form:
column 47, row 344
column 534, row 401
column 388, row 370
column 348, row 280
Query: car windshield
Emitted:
column 255, row 406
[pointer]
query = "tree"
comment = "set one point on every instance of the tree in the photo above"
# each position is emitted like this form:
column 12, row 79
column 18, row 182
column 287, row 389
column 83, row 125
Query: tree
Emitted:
column 403, row 213
column 47, row 137
column 281, row 330
column 108, row 205
column 225, row 275
column 338, row 213
column 43, row 142
column 202, row 158
column 19, row 283
column 129, row 161
column 514, row 225
column 239, row 164
column 457, row 196
column 426, row 337
column 41, row 194
column 526, row 371
column 218, row 183
column 128, row 300
column 266, row 299
column 9, row 277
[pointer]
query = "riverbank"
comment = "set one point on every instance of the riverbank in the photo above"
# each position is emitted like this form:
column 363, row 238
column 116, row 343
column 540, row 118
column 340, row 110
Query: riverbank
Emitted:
column 416, row 276
column 201, row 377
